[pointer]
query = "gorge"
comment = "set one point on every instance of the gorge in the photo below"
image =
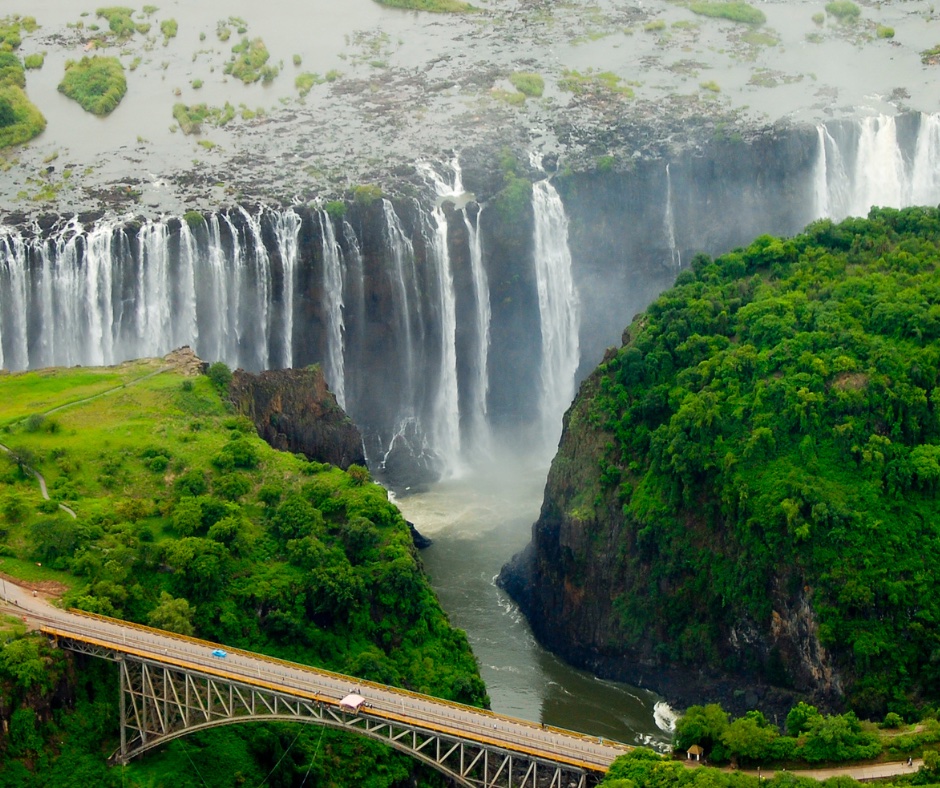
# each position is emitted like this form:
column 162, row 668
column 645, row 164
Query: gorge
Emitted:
column 453, row 322
column 413, row 228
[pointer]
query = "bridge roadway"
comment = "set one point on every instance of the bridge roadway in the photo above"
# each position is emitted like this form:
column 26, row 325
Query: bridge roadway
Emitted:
column 424, row 712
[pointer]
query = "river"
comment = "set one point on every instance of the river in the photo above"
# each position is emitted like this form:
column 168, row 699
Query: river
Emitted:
column 477, row 520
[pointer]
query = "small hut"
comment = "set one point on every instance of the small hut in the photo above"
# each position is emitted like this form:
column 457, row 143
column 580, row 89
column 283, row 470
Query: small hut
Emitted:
column 351, row 702
column 694, row 752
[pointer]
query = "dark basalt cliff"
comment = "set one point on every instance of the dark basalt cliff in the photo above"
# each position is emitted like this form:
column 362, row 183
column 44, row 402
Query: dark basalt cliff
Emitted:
column 569, row 577
column 294, row 411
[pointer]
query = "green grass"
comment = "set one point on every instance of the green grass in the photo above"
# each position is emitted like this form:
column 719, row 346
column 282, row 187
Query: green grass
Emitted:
column 33, row 572
column 593, row 82
column 304, row 82
column 733, row 11
column 28, row 393
column 96, row 83
column 434, row 6
column 527, row 83
column 34, row 61
column 191, row 117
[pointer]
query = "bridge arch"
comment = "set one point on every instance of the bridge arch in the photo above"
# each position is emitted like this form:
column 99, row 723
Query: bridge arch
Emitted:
column 161, row 702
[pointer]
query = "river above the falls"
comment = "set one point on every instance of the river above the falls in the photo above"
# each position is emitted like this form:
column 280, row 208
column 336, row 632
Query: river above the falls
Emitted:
column 477, row 521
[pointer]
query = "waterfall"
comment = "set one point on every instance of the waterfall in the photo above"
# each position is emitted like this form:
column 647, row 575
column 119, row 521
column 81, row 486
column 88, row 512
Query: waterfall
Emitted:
column 334, row 278
column 13, row 300
column 558, row 309
column 925, row 186
column 866, row 164
column 188, row 322
column 402, row 258
column 256, row 281
column 669, row 224
column 287, row 235
column 481, row 296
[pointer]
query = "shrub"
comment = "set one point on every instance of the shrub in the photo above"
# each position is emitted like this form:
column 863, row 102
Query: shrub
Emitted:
column 366, row 194
column 96, row 83
column 249, row 62
column 892, row 720
column 11, row 70
column 529, row 84
column 335, row 209
column 35, row 60
column 169, row 29
column 844, row 10
column 119, row 20
column 220, row 375
column 435, row 6
column 194, row 219
column 882, row 31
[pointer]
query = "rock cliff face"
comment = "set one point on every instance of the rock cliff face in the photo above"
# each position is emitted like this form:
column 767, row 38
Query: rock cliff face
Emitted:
column 294, row 411
column 569, row 578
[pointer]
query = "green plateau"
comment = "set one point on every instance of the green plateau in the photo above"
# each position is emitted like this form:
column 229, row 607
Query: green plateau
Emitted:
column 186, row 520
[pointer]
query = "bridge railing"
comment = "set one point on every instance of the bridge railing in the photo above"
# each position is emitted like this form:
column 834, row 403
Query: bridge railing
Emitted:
column 352, row 680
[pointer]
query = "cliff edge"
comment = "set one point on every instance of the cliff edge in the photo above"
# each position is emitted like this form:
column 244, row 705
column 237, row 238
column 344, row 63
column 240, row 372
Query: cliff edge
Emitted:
column 293, row 410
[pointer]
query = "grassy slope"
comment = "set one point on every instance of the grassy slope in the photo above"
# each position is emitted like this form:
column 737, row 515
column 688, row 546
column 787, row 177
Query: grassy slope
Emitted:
column 312, row 566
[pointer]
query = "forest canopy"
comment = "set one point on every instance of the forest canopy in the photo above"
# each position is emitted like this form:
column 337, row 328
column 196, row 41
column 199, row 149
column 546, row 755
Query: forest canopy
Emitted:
column 774, row 425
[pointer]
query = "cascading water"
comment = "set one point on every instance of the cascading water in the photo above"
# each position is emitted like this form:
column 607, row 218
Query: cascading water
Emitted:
column 558, row 309
column 867, row 164
column 669, row 225
column 477, row 416
column 334, row 279
column 287, row 235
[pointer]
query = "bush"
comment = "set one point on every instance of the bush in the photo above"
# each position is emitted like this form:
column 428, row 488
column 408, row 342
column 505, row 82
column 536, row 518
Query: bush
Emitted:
column 96, row 83
column 34, row 61
column 220, row 375
column 169, row 29
column 844, row 10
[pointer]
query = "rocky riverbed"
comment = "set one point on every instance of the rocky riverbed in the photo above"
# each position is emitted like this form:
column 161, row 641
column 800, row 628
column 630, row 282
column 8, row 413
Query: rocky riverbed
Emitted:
column 392, row 87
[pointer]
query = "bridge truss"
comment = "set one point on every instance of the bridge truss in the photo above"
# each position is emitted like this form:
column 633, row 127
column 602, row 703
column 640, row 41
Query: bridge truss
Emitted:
column 163, row 701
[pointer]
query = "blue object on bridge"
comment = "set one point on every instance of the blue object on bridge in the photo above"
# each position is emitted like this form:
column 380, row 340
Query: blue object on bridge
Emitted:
column 217, row 652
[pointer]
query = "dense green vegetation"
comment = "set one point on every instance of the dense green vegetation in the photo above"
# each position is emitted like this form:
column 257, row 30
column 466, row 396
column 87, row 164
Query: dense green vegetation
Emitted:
column 643, row 768
column 249, row 62
column 774, row 441
column 187, row 520
column 20, row 119
column 97, row 83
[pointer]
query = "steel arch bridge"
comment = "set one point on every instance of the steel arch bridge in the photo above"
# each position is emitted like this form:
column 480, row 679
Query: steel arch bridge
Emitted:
column 162, row 699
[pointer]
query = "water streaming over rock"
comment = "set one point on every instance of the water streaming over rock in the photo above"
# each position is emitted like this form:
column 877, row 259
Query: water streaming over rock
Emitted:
column 334, row 280
column 558, row 309
column 669, row 224
column 881, row 161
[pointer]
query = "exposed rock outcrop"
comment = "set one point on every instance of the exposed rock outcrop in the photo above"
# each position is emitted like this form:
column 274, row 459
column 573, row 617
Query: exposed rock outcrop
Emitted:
column 294, row 411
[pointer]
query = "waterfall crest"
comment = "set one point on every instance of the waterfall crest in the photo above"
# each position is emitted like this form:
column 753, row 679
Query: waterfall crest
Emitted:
column 874, row 162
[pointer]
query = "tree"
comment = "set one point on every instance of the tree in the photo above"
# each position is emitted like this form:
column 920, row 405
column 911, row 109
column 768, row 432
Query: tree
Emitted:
column 702, row 725
column 22, row 661
column 7, row 113
column 220, row 375
column 747, row 738
column 800, row 718
column 173, row 615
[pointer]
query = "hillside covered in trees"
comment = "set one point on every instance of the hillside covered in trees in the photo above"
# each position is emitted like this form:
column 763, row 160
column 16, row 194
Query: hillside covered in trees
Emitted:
column 186, row 520
column 747, row 488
